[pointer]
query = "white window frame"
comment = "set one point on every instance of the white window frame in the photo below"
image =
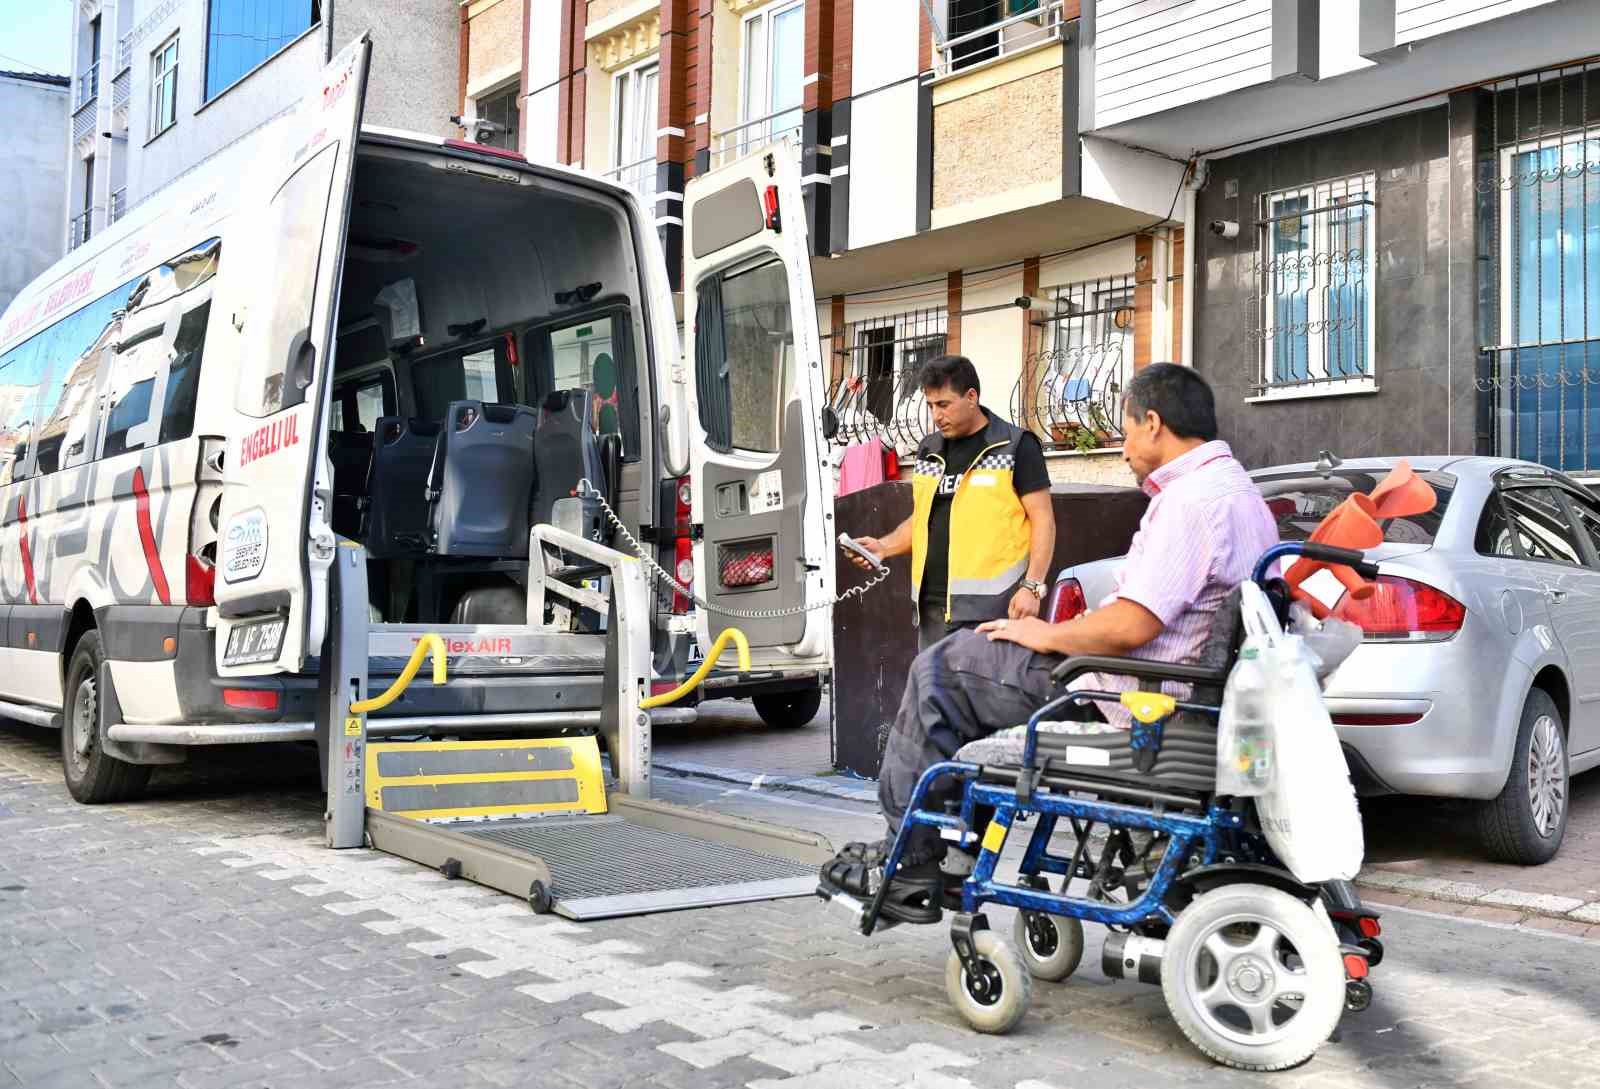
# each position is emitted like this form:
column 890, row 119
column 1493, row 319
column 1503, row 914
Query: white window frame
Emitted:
column 629, row 78
column 158, row 76
column 1507, row 256
column 768, row 15
column 1319, row 195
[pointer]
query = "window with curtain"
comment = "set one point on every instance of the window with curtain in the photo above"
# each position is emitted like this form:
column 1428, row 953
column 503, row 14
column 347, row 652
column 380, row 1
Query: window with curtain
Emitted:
column 774, row 70
column 634, row 135
column 241, row 34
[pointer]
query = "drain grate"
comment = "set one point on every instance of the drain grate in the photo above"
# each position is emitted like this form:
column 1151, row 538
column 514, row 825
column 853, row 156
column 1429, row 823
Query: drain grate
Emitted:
column 607, row 866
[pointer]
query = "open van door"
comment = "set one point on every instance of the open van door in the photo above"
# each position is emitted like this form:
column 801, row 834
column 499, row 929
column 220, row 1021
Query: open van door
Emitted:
column 761, row 500
column 276, row 545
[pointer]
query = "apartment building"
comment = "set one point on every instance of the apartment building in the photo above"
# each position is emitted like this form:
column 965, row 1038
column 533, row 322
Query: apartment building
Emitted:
column 161, row 85
column 1373, row 224
column 34, row 108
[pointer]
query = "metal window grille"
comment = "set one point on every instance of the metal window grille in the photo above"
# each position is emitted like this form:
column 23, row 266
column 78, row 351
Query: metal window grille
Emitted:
column 88, row 85
column 1313, row 276
column 119, row 204
column 78, row 229
column 1539, row 214
column 876, row 361
column 1070, row 391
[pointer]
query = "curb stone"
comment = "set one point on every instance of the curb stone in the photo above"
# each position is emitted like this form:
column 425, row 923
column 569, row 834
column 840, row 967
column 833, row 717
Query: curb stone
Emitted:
column 1460, row 892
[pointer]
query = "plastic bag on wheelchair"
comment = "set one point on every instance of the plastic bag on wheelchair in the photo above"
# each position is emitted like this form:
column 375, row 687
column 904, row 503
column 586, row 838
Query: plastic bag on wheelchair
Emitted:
column 1308, row 808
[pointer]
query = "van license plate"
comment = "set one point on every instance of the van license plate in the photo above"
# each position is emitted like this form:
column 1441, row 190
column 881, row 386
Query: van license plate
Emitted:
column 258, row 641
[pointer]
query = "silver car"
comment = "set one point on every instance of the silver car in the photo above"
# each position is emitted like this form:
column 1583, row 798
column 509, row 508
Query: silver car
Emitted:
column 1479, row 676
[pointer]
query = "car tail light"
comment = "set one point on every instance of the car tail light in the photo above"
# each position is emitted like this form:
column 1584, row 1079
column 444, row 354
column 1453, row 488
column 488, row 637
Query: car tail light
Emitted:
column 1066, row 601
column 250, row 699
column 200, row 581
column 1403, row 610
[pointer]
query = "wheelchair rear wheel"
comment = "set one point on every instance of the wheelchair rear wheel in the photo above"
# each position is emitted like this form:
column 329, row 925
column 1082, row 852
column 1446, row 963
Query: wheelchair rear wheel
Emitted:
column 1254, row 978
column 994, row 999
column 1051, row 946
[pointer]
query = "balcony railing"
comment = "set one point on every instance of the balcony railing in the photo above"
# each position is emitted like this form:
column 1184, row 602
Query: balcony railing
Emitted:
column 121, row 89
column 78, row 228
column 119, row 203
column 125, row 52
column 88, row 85
column 1039, row 23
column 735, row 143
column 640, row 177
column 83, row 120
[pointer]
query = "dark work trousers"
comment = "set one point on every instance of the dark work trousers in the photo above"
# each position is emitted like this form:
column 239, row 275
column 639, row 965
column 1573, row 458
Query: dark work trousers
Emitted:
column 962, row 689
column 931, row 626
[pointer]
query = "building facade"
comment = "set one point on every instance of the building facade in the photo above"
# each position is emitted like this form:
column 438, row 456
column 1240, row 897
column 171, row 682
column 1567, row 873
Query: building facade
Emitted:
column 161, row 85
column 32, row 175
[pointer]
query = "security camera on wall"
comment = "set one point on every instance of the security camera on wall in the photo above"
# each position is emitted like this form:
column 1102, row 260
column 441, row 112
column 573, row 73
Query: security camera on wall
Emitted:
column 1224, row 228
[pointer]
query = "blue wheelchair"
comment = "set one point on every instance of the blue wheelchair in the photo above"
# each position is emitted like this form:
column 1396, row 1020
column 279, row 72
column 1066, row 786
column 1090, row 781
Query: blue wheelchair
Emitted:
column 1256, row 967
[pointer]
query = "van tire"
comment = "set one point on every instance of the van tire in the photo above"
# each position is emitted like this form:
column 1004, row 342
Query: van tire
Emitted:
column 1512, row 826
column 789, row 710
column 93, row 778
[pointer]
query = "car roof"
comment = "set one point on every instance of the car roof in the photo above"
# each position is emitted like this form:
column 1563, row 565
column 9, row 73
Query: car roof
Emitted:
column 1471, row 465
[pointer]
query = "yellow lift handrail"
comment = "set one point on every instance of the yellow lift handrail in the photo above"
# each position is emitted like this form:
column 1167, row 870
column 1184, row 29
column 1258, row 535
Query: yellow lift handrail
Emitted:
column 401, row 683
column 733, row 635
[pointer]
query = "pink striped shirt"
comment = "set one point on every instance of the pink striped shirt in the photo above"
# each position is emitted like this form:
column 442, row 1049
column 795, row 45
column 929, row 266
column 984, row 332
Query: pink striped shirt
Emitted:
column 1204, row 530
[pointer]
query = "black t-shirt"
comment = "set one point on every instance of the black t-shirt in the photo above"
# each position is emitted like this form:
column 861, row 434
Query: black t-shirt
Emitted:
column 1028, row 475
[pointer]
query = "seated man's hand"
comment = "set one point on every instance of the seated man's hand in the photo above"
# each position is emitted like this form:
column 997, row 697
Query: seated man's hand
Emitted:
column 1029, row 631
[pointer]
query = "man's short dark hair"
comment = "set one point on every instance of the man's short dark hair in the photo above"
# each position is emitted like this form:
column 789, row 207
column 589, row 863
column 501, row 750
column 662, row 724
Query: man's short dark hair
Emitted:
column 954, row 371
column 1178, row 395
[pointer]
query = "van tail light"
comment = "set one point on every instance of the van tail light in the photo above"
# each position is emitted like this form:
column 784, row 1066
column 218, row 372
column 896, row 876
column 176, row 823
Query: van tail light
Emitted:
column 251, row 699
column 683, row 571
column 774, row 219
column 200, row 581
column 1066, row 601
column 1403, row 610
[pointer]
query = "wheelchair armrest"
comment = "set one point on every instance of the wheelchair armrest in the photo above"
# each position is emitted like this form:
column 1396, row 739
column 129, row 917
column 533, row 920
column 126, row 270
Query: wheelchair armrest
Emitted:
column 1142, row 668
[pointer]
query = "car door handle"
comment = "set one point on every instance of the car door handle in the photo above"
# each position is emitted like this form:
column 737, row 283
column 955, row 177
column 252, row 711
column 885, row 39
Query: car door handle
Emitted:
column 1555, row 597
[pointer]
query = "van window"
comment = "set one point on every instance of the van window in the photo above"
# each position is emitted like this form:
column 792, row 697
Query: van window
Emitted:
column 183, row 376
column 479, row 373
column 132, row 385
column 744, row 347
column 593, row 355
column 278, row 365
column 357, row 406
column 44, row 381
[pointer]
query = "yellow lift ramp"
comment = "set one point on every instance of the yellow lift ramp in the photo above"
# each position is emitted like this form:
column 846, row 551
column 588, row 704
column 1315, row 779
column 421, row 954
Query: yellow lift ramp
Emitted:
column 533, row 817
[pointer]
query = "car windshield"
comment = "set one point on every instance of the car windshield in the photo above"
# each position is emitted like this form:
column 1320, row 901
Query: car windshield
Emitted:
column 1300, row 501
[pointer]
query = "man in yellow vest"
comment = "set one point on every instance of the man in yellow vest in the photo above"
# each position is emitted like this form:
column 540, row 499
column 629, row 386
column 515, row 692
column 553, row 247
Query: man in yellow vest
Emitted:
column 981, row 531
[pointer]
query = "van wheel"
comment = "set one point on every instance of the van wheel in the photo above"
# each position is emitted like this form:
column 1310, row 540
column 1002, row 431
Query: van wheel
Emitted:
column 1527, row 821
column 787, row 710
column 92, row 777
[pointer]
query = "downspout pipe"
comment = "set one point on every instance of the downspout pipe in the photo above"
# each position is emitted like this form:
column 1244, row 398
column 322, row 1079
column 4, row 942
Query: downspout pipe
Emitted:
column 1191, row 190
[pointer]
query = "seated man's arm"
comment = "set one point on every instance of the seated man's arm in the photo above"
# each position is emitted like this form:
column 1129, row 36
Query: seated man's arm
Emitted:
column 1118, row 630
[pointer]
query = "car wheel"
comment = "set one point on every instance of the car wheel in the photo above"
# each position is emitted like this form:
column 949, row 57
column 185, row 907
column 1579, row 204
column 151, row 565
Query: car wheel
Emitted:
column 1527, row 821
column 786, row 710
column 92, row 776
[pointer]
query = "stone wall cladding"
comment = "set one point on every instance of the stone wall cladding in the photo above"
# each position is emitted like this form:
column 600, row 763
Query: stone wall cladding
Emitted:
column 496, row 41
column 996, row 140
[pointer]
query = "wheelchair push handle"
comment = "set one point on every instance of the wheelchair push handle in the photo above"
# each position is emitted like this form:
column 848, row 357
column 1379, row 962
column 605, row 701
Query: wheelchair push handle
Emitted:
column 1345, row 557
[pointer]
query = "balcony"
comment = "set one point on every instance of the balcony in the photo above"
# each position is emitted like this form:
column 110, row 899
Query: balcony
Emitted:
column 119, row 203
column 639, row 177
column 125, row 52
column 88, row 86
column 875, row 389
column 78, row 228
column 969, row 48
column 735, row 143
column 1070, row 391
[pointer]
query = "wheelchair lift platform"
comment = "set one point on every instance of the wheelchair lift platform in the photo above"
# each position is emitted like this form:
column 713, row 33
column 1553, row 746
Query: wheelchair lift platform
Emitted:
column 533, row 817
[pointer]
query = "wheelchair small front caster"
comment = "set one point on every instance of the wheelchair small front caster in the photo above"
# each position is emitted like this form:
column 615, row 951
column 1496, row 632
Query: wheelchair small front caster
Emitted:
column 984, row 978
column 1051, row 946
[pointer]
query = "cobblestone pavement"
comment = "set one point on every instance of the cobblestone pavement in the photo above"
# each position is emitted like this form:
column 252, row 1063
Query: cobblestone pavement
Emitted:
column 204, row 938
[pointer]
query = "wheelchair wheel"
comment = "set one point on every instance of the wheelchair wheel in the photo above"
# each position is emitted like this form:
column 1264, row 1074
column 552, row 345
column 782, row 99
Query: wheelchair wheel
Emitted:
column 1050, row 946
column 1253, row 977
column 995, row 1000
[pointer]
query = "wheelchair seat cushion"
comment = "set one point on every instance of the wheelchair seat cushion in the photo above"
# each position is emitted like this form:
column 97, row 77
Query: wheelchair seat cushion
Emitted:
column 1095, row 750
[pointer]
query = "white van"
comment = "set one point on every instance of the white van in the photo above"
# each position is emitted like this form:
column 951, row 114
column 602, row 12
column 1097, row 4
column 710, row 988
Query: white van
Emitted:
column 421, row 345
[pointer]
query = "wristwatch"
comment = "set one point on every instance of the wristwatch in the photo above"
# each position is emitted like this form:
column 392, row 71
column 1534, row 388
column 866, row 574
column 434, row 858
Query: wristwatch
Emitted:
column 1035, row 586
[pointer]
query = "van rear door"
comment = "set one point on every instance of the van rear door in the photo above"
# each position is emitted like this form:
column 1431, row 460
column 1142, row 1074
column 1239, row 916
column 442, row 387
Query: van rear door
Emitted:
column 760, row 496
column 276, row 544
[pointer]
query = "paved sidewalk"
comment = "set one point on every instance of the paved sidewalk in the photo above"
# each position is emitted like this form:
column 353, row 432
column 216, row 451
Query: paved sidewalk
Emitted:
column 204, row 938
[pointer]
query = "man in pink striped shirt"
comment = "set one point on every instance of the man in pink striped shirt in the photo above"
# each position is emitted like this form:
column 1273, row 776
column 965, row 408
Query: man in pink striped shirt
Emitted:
column 1203, row 531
